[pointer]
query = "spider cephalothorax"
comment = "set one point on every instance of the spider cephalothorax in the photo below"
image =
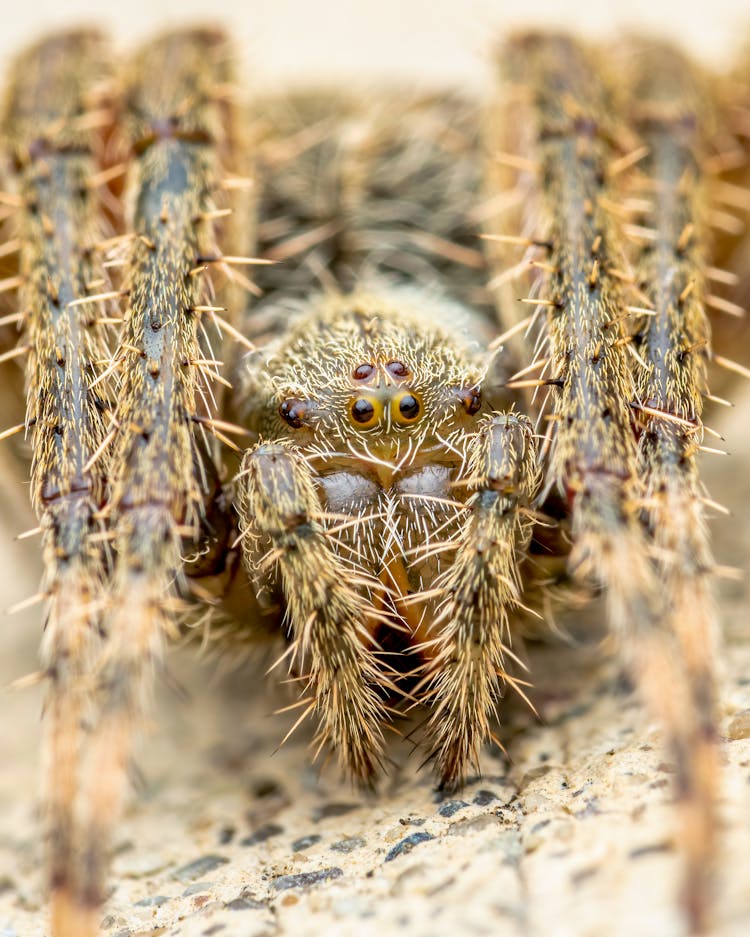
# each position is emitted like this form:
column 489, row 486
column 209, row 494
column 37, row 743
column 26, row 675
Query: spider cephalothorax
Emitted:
column 375, row 449
column 358, row 373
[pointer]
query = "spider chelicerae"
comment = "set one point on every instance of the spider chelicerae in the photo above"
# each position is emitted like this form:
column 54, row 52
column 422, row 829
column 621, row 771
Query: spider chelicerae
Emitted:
column 463, row 347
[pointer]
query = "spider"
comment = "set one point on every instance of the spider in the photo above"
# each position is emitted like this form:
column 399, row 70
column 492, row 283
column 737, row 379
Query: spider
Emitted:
column 442, row 434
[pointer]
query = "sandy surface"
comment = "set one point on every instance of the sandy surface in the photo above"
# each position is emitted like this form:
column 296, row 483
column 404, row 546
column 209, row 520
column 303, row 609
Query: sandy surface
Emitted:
column 570, row 836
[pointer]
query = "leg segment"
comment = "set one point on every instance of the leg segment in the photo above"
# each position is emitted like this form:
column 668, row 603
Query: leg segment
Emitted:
column 482, row 588
column 670, row 109
column 593, row 451
column 54, row 155
column 328, row 604
column 175, row 130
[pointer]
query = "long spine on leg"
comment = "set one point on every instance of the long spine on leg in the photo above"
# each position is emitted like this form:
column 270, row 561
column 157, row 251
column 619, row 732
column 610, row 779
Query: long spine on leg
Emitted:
column 52, row 148
column 175, row 130
column 669, row 108
column 327, row 605
column 482, row 588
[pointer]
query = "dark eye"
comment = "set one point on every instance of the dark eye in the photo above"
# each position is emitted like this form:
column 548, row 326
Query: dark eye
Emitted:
column 471, row 398
column 294, row 411
column 397, row 369
column 365, row 412
column 405, row 408
column 363, row 371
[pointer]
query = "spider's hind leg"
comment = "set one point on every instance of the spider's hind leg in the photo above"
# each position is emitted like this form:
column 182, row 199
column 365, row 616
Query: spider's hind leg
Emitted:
column 52, row 136
column 671, row 109
column 562, row 101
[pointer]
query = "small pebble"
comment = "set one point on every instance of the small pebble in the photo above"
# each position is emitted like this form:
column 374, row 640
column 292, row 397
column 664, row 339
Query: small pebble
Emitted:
column 226, row 835
column 349, row 844
column 262, row 834
column 304, row 842
column 411, row 821
column 649, row 850
column 451, row 807
column 473, row 825
column 332, row 810
column 199, row 867
column 196, row 889
column 249, row 895
column 407, row 844
column 243, row 904
column 156, row 901
column 302, row 879
column 267, row 787
column 483, row 798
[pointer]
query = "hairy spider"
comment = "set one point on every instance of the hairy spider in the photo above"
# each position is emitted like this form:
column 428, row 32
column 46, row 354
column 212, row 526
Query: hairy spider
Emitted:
column 413, row 477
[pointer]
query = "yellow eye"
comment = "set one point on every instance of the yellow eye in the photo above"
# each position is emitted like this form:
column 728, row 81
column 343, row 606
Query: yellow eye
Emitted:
column 365, row 412
column 405, row 409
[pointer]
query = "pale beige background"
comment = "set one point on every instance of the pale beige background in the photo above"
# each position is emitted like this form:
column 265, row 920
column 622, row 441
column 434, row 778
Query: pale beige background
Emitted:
column 576, row 839
column 432, row 39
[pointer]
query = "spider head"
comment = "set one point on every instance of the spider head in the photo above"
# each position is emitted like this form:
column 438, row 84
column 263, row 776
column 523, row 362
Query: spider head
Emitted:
column 375, row 374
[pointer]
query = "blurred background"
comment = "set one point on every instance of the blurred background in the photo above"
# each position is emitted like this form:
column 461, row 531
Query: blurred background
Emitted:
column 434, row 41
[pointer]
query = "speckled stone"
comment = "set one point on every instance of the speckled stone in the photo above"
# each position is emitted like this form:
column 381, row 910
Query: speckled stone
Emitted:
column 196, row 889
column 332, row 810
column 262, row 834
column 199, row 867
column 244, row 904
column 483, row 798
column 349, row 844
column 407, row 844
column 304, row 842
column 451, row 807
column 155, row 901
column 303, row 879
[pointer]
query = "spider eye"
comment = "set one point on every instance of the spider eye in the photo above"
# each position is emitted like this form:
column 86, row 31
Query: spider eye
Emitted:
column 471, row 398
column 365, row 412
column 405, row 409
column 363, row 371
column 397, row 369
column 294, row 411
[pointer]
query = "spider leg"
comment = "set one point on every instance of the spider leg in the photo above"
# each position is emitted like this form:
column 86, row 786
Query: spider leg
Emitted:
column 53, row 149
column 669, row 108
column 328, row 606
column 593, row 455
column 482, row 588
column 157, row 497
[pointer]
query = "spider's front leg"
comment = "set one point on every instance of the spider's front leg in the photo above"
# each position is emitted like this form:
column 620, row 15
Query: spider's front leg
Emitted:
column 157, row 491
column 329, row 608
column 482, row 589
